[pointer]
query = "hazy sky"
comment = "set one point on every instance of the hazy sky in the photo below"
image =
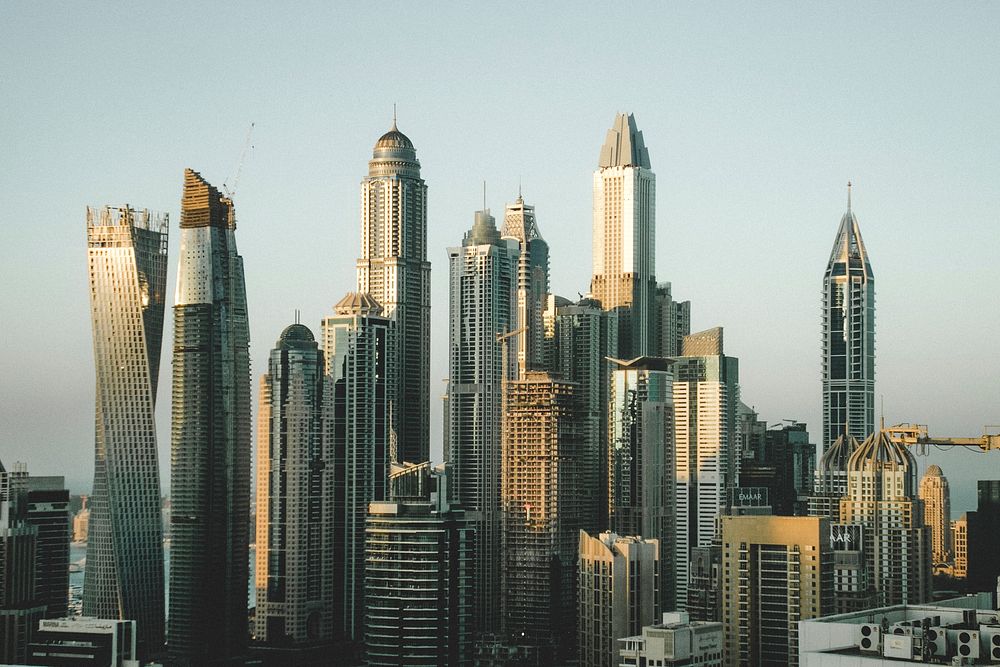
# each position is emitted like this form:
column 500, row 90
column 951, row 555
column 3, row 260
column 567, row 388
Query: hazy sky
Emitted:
column 755, row 115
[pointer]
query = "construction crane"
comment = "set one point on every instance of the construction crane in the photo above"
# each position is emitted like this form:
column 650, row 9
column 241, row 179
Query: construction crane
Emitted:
column 916, row 434
column 247, row 146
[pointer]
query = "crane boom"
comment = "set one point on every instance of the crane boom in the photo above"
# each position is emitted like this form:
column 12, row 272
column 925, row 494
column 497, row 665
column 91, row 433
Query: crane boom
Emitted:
column 916, row 434
column 230, row 191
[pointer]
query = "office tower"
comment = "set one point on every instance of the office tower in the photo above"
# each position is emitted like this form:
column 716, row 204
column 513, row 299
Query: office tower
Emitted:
column 47, row 501
column 706, row 395
column 983, row 538
column 785, row 466
column 20, row 611
column 419, row 573
column 779, row 571
column 673, row 322
column 960, row 535
column 881, row 497
column 937, row 512
column 210, row 434
column 544, row 440
column 127, row 258
column 84, row 641
column 830, row 484
column 704, row 593
column 532, row 282
column 583, row 341
column 393, row 269
column 677, row 640
column 355, row 340
column 482, row 304
column 853, row 580
column 641, row 460
column 848, row 336
column 294, row 569
column 618, row 593
column 624, row 237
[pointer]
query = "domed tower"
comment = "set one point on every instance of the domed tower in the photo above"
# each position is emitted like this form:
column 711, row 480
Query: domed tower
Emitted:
column 881, row 497
column 936, row 495
column 394, row 270
column 831, row 477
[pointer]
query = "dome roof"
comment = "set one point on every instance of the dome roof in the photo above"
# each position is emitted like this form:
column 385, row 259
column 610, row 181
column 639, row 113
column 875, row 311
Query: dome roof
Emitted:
column 879, row 452
column 836, row 456
column 393, row 139
column 296, row 332
column 934, row 471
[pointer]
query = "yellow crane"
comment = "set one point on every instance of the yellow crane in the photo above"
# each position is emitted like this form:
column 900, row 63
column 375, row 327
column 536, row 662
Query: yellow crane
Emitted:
column 916, row 434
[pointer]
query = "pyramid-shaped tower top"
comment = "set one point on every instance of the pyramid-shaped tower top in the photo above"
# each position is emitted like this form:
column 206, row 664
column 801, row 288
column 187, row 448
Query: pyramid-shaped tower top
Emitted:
column 358, row 303
column 624, row 146
column 849, row 254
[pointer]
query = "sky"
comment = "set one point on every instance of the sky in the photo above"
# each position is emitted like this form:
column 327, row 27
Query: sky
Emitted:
column 755, row 115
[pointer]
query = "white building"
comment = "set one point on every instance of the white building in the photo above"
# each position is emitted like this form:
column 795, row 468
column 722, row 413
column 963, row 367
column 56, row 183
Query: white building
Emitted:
column 675, row 641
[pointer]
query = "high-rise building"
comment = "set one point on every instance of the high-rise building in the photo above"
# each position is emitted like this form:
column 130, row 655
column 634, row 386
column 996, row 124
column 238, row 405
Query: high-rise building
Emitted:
column 355, row 340
column 47, row 500
column 960, row 535
column 936, row 495
column 704, row 586
column 127, row 258
column 882, row 499
column 785, row 466
column 673, row 322
column 483, row 298
column 532, row 283
column 830, row 483
column 419, row 574
column 544, row 443
column 677, row 640
column 778, row 571
column 393, row 269
column 641, row 460
column 210, row 435
column 294, row 568
column 983, row 538
column 706, row 395
column 624, row 237
column 848, row 336
column 618, row 593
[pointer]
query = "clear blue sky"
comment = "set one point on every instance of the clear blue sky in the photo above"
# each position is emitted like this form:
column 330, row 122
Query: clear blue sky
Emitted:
column 755, row 115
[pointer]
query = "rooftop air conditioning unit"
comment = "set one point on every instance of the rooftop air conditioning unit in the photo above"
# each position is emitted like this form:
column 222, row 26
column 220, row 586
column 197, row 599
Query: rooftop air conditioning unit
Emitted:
column 871, row 638
column 937, row 639
column 898, row 645
column 966, row 643
column 990, row 635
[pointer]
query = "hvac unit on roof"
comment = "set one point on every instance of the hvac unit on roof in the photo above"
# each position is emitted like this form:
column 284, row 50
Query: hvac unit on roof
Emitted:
column 990, row 636
column 966, row 642
column 871, row 637
column 937, row 639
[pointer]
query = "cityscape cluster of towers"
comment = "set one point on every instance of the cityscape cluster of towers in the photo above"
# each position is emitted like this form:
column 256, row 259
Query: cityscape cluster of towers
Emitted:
column 600, row 466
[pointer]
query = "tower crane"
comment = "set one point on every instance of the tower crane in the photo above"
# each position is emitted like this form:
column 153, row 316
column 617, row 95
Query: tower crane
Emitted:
column 916, row 434
column 247, row 146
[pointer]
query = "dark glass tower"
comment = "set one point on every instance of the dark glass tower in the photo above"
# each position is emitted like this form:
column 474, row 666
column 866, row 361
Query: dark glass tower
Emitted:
column 210, row 435
column 848, row 336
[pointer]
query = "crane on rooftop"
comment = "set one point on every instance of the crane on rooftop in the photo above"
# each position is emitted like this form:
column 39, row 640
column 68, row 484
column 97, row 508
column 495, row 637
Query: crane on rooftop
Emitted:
column 916, row 434
column 247, row 147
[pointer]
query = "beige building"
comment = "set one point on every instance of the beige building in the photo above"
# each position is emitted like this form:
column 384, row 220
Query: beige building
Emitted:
column 617, row 594
column 81, row 522
column 676, row 641
column 937, row 512
column 960, row 533
column 776, row 572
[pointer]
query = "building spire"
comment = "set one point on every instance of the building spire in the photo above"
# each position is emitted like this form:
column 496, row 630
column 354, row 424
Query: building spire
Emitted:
column 848, row 196
column 394, row 118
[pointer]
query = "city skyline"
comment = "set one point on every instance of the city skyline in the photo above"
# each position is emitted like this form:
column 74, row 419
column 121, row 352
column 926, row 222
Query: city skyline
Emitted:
column 792, row 192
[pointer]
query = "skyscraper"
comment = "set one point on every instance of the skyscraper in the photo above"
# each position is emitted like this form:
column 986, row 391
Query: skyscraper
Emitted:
column 532, row 282
column 394, row 270
column 544, row 440
column 47, row 500
column 354, row 344
column 210, row 435
column 936, row 495
column 624, row 236
column 848, row 336
column 294, row 569
column 127, row 258
column 483, row 296
column 706, row 395
column 673, row 322
column 641, row 461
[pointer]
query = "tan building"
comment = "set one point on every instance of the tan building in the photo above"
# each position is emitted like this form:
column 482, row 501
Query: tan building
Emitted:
column 81, row 522
column 617, row 594
column 937, row 512
column 960, row 533
column 776, row 572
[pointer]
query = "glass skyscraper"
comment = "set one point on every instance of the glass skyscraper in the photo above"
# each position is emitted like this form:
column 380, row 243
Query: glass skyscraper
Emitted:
column 848, row 336
column 127, row 256
column 210, row 435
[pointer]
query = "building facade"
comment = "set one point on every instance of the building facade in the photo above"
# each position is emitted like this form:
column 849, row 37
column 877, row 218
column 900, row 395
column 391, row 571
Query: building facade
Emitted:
column 677, row 640
column 393, row 269
column 848, row 336
column 673, row 322
column 419, row 574
column 355, row 340
column 127, row 261
column 294, row 567
column 47, row 508
column 936, row 495
column 210, row 435
column 483, row 302
column 960, row 535
column 532, row 283
column 983, row 538
column 777, row 571
column 618, row 593
column 624, row 237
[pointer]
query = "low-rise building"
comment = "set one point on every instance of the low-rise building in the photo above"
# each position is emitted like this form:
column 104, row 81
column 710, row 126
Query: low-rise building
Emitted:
column 83, row 641
column 676, row 641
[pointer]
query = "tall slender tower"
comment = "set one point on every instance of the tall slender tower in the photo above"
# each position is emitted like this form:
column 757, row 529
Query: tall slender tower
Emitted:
column 936, row 495
column 394, row 270
column 482, row 299
column 532, row 283
column 294, row 569
column 210, row 434
column 848, row 336
column 127, row 255
column 624, row 236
